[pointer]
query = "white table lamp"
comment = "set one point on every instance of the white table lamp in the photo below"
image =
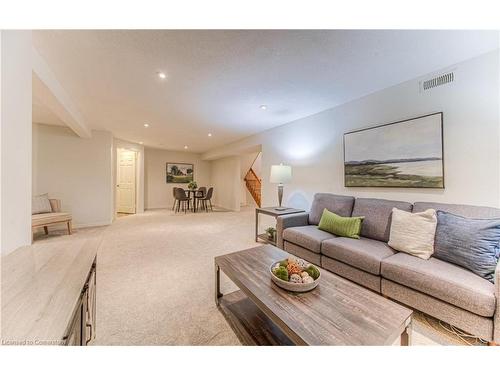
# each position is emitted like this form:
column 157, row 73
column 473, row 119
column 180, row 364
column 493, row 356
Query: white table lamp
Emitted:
column 280, row 174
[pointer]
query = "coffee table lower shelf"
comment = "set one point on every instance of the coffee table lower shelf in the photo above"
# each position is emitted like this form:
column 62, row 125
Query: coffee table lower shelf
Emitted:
column 251, row 325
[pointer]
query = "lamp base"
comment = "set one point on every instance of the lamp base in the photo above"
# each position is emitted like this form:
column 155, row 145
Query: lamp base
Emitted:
column 281, row 208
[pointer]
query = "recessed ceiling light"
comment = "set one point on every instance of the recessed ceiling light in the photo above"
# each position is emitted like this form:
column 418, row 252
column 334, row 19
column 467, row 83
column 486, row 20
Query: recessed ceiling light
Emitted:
column 185, row 147
column 161, row 75
column 263, row 107
column 209, row 134
column 146, row 125
column 141, row 143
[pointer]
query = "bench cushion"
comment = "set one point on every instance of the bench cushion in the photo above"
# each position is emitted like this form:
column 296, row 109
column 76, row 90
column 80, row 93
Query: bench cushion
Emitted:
column 49, row 218
column 365, row 253
column 309, row 237
column 377, row 213
column 442, row 280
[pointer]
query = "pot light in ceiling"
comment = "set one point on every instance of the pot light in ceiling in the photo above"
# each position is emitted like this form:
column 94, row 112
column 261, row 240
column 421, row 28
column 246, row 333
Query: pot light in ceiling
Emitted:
column 209, row 134
column 185, row 147
column 263, row 107
column 161, row 75
column 146, row 125
column 141, row 143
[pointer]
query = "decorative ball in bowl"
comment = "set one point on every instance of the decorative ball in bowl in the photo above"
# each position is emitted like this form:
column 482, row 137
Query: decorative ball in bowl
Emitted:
column 295, row 275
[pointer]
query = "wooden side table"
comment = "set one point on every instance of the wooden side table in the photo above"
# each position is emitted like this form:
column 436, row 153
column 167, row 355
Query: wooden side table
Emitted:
column 271, row 211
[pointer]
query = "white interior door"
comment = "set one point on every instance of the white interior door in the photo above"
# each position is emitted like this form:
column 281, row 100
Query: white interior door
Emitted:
column 125, row 187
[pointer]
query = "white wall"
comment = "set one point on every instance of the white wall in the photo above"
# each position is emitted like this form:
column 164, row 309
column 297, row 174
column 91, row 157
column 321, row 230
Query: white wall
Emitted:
column 15, row 139
column 76, row 170
column 498, row 203
column 158, row 194
column 257, row 165
column 120, row 144
column 313, row 145
column 226, row 180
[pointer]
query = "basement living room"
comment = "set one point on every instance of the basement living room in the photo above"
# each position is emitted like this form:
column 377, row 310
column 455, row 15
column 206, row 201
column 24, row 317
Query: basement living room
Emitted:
column 250, row 188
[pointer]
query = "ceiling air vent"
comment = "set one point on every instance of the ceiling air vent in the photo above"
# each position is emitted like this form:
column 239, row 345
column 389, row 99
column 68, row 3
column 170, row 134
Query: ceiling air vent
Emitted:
column 440, row 80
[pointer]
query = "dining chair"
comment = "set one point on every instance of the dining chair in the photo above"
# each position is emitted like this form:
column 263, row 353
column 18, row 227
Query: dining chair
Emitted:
column 175, row 199
column 202, row 191
column 182, row 199
column 207, row 198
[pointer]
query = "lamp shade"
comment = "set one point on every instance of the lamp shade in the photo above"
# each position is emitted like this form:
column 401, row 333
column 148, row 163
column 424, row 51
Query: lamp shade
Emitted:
column 281, row 174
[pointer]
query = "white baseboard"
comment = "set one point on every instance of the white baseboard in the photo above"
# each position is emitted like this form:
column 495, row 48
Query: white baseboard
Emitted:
column 95, row 224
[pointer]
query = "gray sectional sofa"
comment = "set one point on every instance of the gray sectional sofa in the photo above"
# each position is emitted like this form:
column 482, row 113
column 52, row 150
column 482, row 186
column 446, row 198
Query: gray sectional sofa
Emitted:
column 440, row 289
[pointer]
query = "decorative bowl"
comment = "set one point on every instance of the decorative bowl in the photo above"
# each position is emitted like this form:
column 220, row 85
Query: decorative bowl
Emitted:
column 290, row 286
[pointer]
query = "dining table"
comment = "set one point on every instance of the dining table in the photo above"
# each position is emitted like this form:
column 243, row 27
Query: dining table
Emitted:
column 194, row 191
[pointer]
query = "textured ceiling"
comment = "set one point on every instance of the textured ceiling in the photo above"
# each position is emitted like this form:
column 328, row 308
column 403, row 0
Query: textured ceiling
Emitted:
column 218, row 79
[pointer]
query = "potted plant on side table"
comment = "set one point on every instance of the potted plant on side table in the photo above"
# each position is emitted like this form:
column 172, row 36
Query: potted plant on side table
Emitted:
column 271, row 234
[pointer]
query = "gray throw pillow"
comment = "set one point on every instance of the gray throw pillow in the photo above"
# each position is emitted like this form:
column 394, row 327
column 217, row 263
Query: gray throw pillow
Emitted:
column 470, row 243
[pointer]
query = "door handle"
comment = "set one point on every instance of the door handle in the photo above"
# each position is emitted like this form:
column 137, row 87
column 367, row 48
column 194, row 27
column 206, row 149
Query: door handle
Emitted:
column 91, row 326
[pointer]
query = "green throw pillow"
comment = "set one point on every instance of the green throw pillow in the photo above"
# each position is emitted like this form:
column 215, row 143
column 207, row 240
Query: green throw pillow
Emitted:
column 339, row 225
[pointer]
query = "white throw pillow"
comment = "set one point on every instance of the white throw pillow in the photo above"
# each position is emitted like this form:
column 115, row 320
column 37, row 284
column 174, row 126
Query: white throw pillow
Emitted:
column 40, row 204
column 413, row 233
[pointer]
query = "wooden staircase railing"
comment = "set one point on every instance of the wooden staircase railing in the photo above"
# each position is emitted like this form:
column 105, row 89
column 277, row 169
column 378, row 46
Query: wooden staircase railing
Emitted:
column 254, row 186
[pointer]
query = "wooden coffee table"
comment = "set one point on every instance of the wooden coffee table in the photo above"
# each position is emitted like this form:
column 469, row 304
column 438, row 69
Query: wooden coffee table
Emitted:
column 337, row 312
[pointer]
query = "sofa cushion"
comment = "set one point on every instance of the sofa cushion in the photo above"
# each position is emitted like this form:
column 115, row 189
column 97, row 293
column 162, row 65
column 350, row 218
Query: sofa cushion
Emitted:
column 475, row 212
column 309, row 237
column 364, row 253
column 303, row 253
column 360, row 277
column 470, row 243
column 377, row 213
column 50, row 218
column 338, row 204
column 442, row 280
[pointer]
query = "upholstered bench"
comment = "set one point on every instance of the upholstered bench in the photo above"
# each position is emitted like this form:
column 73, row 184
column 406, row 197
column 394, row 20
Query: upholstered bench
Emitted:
column 51, row 218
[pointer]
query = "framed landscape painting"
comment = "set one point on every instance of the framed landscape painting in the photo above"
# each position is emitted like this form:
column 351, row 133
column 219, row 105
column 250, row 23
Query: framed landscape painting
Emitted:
column 179, row 173
column 406, row 153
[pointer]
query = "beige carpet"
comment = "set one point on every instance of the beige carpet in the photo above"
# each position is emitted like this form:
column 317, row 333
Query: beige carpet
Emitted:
column 156, row 283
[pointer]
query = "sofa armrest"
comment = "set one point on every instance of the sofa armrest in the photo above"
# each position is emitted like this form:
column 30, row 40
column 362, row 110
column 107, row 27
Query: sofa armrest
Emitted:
column 55, row 205
column 288, row 221
column 496, row 321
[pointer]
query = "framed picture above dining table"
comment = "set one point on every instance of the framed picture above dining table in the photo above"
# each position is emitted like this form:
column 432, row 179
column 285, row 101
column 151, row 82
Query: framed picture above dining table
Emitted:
column 179, row 173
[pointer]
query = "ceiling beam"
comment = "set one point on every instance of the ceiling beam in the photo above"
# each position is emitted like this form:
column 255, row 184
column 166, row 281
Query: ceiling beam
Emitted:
column 246, row 145
column 49, row 91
